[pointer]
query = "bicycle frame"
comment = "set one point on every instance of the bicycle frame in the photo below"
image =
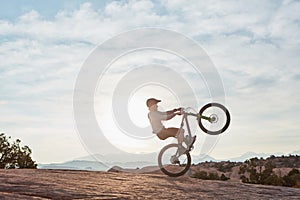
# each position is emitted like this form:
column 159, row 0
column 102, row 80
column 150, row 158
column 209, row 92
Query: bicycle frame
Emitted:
column 185, row 119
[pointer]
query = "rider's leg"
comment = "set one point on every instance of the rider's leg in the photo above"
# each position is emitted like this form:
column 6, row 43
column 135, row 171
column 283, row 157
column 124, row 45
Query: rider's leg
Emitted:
column 180, row 138
column 172, row 132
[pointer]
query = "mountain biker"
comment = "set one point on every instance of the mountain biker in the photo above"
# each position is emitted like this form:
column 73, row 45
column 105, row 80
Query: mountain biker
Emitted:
column 156, row 117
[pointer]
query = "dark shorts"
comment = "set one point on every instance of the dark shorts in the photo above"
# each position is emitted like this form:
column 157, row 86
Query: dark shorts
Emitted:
column 167, row 132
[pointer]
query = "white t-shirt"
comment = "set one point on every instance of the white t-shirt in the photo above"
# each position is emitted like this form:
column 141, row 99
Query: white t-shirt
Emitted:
column 155, row 118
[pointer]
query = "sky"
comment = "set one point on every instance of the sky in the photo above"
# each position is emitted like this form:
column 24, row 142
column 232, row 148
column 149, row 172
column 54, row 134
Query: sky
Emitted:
column 254, row 45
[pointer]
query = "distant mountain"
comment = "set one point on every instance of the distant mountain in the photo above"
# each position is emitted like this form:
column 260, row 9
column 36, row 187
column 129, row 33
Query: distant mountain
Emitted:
column 76, row 165
column 95, row 165
column 295, row 152
column 100, row 162
column 132, row 165
column 249, row 155
column 203, row 158
column 152, row 158
column 242, row 158
column 121, row 157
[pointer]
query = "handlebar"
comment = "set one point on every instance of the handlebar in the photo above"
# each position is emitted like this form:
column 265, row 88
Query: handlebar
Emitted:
column 197, row 115
column 192, row 114
column 184, row 112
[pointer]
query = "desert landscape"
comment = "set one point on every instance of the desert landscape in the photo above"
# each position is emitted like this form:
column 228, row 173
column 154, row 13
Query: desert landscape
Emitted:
column 70, row 184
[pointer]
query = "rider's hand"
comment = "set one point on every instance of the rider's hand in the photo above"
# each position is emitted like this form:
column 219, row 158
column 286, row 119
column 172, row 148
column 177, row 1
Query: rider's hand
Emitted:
column 176, row 109
column 180, row 111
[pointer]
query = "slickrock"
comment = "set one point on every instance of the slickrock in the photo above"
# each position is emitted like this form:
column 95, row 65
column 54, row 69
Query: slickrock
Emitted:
column 66, row 184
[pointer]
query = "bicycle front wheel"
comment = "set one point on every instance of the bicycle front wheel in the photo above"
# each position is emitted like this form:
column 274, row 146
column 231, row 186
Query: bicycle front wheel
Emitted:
column 172, row 163
column 214, row 118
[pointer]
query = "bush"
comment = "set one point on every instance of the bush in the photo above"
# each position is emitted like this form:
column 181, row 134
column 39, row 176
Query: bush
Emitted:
column 273, row 180
column 211, row 176
column 201, row 175
column 292, row 179
column 224, row 178
column 225, row 166
column 244, row 179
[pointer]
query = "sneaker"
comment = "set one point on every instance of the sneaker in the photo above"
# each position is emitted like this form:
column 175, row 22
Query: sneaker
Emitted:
column 186, row 140
column 191, row 142
column 174, row 160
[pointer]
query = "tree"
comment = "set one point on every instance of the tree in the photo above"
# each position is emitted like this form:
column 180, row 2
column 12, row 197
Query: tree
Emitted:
column 4, row 151
column 12, row 155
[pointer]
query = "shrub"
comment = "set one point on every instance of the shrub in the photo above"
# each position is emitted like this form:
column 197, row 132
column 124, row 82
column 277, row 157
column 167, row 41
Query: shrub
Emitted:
column 224, row 178
column 292, row 179
column 211, row 176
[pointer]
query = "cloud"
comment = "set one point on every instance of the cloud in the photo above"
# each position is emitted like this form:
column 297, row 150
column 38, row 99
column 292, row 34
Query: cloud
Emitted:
column 254, row 44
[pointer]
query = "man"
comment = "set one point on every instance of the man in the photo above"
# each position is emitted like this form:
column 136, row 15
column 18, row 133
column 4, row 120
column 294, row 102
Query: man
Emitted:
column 156, row 117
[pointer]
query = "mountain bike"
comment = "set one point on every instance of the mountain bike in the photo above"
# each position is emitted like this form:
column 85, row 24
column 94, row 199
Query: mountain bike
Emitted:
column 213, row 119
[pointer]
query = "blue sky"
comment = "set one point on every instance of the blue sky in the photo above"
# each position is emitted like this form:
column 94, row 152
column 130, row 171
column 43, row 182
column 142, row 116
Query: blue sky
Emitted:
column 255, row 46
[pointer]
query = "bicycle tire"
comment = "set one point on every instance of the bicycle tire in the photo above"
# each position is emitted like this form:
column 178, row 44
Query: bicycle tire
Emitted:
column 165, row 170
column 226, row 125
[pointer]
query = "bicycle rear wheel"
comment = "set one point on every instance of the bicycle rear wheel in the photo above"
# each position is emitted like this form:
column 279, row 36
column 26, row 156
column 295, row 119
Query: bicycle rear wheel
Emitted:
column 214, row 118
column 166, row 161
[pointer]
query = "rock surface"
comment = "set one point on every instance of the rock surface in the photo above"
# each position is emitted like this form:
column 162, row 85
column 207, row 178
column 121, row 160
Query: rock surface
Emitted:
column 64, row 184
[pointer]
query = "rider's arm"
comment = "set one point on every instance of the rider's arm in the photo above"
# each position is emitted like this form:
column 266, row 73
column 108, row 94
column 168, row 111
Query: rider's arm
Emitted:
column 157, row 115
column 163, row 115
column 170, row 115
